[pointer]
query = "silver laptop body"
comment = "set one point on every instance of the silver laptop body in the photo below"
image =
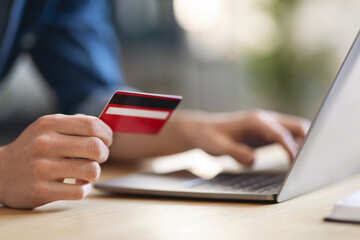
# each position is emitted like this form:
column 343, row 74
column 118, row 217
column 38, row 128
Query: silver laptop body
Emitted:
column 330, row 151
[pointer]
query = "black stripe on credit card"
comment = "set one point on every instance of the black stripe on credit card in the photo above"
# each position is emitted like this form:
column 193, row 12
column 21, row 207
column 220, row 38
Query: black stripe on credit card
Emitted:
column 138, row 101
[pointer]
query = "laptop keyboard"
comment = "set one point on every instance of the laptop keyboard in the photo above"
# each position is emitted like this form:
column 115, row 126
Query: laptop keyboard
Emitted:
column 244, row 182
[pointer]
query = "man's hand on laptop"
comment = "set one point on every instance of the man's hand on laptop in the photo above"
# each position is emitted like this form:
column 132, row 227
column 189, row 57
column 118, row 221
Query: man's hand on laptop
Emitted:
column 33, row 167
column 237, row 134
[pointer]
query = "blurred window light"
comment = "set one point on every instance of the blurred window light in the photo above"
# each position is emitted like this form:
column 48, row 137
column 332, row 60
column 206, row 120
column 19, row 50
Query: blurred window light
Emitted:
column 197, row 15
column 328, row 24
column 254, row 27
column 217, row 29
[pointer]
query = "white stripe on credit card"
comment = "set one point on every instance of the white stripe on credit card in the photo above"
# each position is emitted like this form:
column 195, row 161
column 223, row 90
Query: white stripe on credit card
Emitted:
column 129, row 112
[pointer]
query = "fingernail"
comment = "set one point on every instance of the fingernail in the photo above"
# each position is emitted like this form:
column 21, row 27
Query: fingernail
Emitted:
column 87, row 189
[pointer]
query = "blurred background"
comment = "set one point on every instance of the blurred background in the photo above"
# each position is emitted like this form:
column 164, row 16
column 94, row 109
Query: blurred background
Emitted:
column 221, row 55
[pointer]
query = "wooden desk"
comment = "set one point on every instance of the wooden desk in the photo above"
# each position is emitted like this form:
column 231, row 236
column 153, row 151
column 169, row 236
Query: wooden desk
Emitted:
column 101, row 216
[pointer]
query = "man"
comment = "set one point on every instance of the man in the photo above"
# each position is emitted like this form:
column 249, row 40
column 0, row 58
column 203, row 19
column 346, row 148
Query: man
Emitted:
column 74, row 46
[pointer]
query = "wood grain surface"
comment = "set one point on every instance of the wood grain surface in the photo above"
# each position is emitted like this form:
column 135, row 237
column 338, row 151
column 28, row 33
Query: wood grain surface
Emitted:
column 104, row 216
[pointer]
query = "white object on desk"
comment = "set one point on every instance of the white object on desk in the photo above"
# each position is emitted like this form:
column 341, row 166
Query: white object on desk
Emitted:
column 347, row 210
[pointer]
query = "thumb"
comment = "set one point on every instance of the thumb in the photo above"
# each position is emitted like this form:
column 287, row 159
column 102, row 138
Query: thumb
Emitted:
column 240, row 152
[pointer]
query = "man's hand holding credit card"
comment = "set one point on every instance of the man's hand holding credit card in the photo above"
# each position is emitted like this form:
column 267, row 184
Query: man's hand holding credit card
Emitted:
column 141, row 113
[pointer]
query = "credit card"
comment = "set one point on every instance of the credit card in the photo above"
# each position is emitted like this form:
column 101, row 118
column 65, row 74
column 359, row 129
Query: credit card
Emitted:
column 135, row 112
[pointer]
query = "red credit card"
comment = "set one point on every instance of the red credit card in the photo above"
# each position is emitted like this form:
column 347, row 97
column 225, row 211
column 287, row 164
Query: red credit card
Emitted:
column 133, row 112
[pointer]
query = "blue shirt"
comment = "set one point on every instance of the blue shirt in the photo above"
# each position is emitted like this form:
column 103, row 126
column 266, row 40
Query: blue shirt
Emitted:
column 74, row 46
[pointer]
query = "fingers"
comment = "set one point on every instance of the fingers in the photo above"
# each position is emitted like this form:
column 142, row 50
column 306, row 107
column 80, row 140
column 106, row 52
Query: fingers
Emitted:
column 63, row 191
column 224, row 145
column 53, row 189
column 279, row 134
column 46, row 192
column 82, row 170
column 77, row 125
column 240, row 153
column 82, row 147
column 266, row 125
column 296, row 125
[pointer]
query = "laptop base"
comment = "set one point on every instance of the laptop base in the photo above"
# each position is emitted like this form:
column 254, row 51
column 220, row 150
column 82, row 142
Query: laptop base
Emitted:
column 176, row 184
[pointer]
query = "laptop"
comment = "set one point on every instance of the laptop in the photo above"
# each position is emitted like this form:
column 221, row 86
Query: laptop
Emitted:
column 330, row 151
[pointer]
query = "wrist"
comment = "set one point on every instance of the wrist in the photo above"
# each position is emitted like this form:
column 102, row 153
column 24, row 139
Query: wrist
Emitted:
column 189, row 126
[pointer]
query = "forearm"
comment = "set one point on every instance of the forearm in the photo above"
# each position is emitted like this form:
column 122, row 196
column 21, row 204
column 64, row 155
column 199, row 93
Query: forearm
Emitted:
column 173, row 138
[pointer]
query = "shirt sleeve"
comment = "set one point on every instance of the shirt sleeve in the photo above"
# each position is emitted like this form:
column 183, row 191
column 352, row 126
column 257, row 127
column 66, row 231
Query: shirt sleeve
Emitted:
column 78, row 54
